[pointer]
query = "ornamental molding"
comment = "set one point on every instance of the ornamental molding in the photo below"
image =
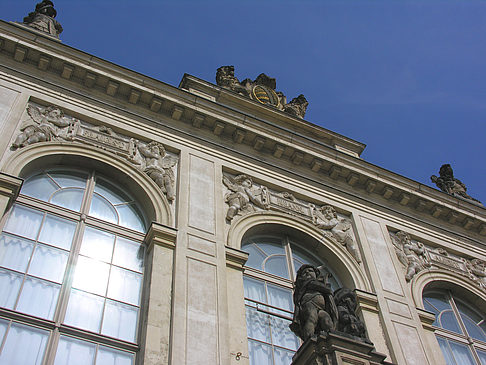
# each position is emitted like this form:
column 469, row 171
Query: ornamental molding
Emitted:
column 416, row 256
column 244, row 196
column 51, row 124
column 307, row 150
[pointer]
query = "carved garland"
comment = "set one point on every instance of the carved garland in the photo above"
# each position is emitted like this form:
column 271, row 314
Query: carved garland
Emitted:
column 46, row 124
column 244, row 196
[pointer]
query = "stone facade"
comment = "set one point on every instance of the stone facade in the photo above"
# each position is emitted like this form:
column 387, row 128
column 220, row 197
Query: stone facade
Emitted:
column 210, row 166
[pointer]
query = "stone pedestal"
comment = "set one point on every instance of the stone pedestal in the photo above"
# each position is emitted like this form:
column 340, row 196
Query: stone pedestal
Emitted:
column 333, row 349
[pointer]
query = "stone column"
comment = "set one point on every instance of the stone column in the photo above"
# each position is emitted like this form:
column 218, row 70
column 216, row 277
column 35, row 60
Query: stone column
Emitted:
column 156, row 322
column 9, row 189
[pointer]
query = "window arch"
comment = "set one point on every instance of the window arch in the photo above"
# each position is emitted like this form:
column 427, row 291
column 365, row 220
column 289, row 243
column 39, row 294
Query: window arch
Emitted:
column 460, row 325
column 273, row 261
column 71, row 270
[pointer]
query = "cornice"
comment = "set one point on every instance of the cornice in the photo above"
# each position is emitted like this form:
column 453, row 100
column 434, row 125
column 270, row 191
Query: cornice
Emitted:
column 243, row 125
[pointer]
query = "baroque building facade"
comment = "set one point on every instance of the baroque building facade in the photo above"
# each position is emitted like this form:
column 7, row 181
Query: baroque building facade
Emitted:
column 149, row 224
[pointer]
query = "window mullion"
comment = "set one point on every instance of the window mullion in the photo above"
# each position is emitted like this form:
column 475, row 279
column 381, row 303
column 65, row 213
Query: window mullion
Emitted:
column 51, row 347
column 458, row 316
column 69, row 274
column 88, row 194
column 288, row 254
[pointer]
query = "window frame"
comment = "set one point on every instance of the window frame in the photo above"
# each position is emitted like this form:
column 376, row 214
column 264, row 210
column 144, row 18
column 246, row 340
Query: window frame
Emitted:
column 448, row 335
column 56, row 328
column 275, row 280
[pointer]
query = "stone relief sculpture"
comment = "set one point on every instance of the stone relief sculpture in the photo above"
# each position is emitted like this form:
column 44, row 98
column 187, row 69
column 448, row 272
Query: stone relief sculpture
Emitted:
column 338, row 229
column 348, row 322
column 45, row 124
column 450, row 185
column 411, row 254
column 477, row 271
column 262, row 89
column 42, row 18
column 315, row 309
column 152, row 159
column 241, row 196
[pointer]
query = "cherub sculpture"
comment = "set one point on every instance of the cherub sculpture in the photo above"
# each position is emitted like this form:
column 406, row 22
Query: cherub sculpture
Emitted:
column 315, row 309
column 411, row 254
column 477, row 270
column 46, row 124
column 156, row 163
column 42, row 18
column 348, row 322
column 241, row 194
column 450, row 185
column 297, row 106
column 336, row 228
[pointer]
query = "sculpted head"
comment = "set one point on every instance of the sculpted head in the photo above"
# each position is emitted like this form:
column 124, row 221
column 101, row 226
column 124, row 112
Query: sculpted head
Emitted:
column 244, row 180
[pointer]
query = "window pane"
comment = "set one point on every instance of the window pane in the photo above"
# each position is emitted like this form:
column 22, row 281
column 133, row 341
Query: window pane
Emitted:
column 271, row 246
column 130, row 217
column 461, row 353
column 3, row 328
column 15, row 252
column 9, row 288
column 125, row 285
column 97, row 244
column 281, row 298
column 38, row 298
column 57, row 232
column 102, row 209
column 283, row 357
column 68, row 179
column 260, row 354
column 111, row 193
column 120, row 321
column 470, row 319
column 84, row 311
column 258, row 325
column 48, row 263
column 482, row 356
column 69, row 198
column 446, row 351
column 24, row 345
column 109, row 356
column 128, row 254
column 40, row 187
column 282, row 335
column 71, row 351
column 255, row 258
column 277, row 265
column 254, row 289
column 448, row 320
column 91, row 275
column 24, row 222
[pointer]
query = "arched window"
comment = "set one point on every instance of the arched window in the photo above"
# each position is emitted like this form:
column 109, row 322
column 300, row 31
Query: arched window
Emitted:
column 271, row 268
column 71, row 271
column 461, row 328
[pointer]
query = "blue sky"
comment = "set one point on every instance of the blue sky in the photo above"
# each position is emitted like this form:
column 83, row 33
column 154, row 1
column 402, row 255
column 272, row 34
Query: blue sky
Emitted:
column 407, row 78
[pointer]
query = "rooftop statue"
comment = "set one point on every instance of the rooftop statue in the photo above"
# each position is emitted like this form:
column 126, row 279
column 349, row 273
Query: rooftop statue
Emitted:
column 262, row 89
column 450, row 185
column 42, row 18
